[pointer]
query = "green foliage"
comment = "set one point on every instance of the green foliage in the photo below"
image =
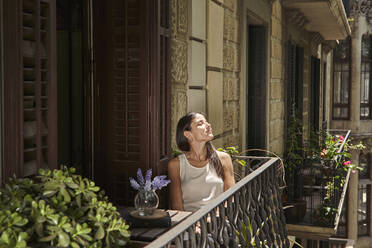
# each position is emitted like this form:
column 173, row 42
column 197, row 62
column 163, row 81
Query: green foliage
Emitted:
column 58, row 208
column 233, row 151
column 293, row 157
column 250, row 236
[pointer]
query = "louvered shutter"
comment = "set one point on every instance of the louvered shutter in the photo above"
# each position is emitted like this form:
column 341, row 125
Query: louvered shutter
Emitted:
column 30, row 87
column 132, row 74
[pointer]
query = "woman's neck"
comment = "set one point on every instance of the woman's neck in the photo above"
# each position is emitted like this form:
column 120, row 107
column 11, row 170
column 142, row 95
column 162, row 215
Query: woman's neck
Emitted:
column 198, row 152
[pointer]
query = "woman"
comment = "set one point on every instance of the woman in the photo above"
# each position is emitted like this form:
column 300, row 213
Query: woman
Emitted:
column 201, row 173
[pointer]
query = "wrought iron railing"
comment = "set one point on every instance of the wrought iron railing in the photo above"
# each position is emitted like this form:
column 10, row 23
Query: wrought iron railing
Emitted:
column 250, row 211
column 318, row 186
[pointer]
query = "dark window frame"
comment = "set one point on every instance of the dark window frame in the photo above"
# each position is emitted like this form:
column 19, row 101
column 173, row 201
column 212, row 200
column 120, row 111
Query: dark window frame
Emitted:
column 365, row 184
column 342, row 105
column 366, row 60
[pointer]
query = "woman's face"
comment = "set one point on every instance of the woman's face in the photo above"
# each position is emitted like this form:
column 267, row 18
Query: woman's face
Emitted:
column 201, row 130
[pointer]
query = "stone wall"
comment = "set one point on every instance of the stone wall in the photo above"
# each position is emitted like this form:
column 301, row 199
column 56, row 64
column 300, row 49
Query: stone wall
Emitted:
column 231, row 72
column 179, row 63
column 276, row 84
column 207, row 83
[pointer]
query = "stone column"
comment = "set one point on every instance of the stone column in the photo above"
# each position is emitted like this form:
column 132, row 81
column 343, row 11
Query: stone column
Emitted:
column 355, row 76
column 352, row 220
column 352, row 210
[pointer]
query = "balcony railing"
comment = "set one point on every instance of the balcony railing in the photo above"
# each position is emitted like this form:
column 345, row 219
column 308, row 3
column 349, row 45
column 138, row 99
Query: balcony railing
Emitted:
column 315, row 224
column 250, row 211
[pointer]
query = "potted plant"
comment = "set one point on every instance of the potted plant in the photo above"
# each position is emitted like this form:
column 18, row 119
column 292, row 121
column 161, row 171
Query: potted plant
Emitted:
column 58, row 209
column 334, row 165
column 294, row 205
column 146, row 200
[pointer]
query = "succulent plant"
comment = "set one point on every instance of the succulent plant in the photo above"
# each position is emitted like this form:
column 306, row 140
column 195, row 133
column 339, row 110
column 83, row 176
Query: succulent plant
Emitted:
column 60, row 209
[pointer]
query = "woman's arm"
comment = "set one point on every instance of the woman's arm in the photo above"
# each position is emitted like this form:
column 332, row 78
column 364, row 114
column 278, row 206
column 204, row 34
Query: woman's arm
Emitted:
column 175, row 185
column 226, row 162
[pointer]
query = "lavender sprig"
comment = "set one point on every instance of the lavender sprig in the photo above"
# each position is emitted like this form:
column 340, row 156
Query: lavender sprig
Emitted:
column 159, row 182
column 146, row 183
column 140, row 179
column 134, row 183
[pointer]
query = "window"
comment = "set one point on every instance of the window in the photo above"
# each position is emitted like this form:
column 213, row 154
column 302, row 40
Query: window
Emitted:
column 365, row 76
column 341, row 80
column 364, row 192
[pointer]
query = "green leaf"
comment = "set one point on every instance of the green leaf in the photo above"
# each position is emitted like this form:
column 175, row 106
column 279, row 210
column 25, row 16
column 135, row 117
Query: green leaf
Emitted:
column 54, row 218
column 5, row 237
column 49, row 193
column 47, row 238
column 40, row 219
column 65, row 194
column 100, row 233
column 78, row 200
column 63, row 239
column 74, row 245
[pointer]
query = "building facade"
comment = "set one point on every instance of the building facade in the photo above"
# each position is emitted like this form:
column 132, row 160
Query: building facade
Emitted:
column 100, row 85
column 351, row 109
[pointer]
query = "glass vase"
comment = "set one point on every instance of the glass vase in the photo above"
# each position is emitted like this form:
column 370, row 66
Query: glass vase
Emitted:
column 146, row 202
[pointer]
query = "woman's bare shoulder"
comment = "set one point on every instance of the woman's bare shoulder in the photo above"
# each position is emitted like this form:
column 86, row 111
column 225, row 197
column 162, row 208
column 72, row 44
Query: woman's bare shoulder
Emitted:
column 174, row 162
column 223, row 155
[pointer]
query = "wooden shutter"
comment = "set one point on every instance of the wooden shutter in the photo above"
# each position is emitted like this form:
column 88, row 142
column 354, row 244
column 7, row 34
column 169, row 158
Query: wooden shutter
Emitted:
column 120, row 64
column 131, row 46
column 161, row 85
column 256, row 133
column 30, row 87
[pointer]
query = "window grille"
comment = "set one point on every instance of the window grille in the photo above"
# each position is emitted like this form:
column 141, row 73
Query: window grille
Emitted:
column 341, row 80
column 365, row 77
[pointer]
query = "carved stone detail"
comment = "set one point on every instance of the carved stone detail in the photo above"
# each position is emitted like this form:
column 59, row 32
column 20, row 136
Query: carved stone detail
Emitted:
column 179, row 61
column 296, row 17
column 230, row 57
column 173, row 17
column 179, row 108
column 179, row 17
column 230, row 115
column 182, row 16
column 230, row 28
column 230, row 89
column 231, row 4
column 362, row 7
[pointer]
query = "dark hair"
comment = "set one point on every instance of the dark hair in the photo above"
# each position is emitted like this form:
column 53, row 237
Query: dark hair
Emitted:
column 184, row 124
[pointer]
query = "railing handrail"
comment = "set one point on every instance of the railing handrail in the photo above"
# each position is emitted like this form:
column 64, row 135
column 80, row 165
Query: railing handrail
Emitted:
column 341, row 203
column 170, row 235
column 342, row 198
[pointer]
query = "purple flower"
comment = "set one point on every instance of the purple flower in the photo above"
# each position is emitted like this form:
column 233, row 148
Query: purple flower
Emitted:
column 140, row 179
column 146, row 183
column 148, row 175
column 134, row 183
column 159, row 182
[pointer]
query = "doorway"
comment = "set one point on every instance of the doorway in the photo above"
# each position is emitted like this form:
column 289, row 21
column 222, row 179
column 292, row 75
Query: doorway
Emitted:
column 256, row 90
column 131, row 115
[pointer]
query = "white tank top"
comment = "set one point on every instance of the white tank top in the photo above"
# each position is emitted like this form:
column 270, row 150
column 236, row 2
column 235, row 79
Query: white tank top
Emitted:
column 199, row 185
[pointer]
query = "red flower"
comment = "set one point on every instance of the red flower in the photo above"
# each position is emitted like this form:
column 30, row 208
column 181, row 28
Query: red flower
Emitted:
column 347, row 162
column 341, row 138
